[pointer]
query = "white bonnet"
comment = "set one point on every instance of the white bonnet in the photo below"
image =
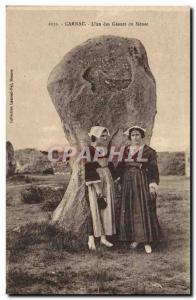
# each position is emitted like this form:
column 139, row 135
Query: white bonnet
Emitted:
column 97, row 131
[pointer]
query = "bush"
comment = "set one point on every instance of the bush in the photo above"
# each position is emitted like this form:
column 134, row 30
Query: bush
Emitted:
column 31, row 194
column 48, row 171
column 51, row 196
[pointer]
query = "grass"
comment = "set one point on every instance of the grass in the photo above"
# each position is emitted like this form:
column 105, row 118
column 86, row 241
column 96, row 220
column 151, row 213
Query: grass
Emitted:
column 33, row 234
column 44, row 260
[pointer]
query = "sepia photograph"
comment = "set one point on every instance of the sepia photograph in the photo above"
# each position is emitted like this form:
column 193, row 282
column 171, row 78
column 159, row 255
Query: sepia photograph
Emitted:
column 98, row 150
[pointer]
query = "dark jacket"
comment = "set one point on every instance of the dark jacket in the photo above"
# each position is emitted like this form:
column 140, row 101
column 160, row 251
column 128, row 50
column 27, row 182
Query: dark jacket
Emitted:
column 149, row 165
column 90, row 168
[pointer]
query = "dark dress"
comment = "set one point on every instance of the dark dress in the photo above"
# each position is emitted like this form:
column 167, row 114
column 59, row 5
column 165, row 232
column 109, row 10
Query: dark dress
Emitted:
column 138, row 217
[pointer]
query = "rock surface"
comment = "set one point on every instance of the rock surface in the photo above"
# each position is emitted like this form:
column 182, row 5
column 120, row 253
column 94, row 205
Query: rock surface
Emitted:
column 10, row 159
column 171, row 163
column 105, row 81
column 32, row 161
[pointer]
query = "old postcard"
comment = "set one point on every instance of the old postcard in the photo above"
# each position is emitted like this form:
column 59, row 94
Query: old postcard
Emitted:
column 98, row 150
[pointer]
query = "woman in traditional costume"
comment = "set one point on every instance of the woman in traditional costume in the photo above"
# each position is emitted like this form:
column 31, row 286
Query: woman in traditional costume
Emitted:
column 140, row 179
column 100, row 189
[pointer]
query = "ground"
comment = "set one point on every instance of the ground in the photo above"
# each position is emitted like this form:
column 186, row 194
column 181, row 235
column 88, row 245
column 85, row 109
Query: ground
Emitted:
column 35, row 266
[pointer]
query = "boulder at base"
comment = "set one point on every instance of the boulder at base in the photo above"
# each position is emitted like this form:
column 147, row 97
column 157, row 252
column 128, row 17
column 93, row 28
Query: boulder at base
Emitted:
column 32, row 161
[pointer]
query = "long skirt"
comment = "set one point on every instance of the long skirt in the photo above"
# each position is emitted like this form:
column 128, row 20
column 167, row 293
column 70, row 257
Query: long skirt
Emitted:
column 103, row 220
column 138, row 218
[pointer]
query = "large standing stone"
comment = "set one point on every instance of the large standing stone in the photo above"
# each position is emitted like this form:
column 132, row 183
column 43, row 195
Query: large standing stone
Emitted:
column 105, row 81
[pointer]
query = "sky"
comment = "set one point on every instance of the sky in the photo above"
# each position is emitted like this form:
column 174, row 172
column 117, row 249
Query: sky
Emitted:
column 34, row 48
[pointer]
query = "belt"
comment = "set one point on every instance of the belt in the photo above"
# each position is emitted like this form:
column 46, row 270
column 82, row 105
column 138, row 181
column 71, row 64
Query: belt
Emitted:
column 134, row 165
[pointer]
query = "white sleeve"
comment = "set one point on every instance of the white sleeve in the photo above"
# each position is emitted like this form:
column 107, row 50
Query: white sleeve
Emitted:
column 92, row 182
column 154, row 185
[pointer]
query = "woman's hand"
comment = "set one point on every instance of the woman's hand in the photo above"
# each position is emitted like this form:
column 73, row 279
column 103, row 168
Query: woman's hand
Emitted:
column 117, row 180
column 153, row 189
column 119, row 187
column 98, row 189
column 118, row 184
column 152, row 192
